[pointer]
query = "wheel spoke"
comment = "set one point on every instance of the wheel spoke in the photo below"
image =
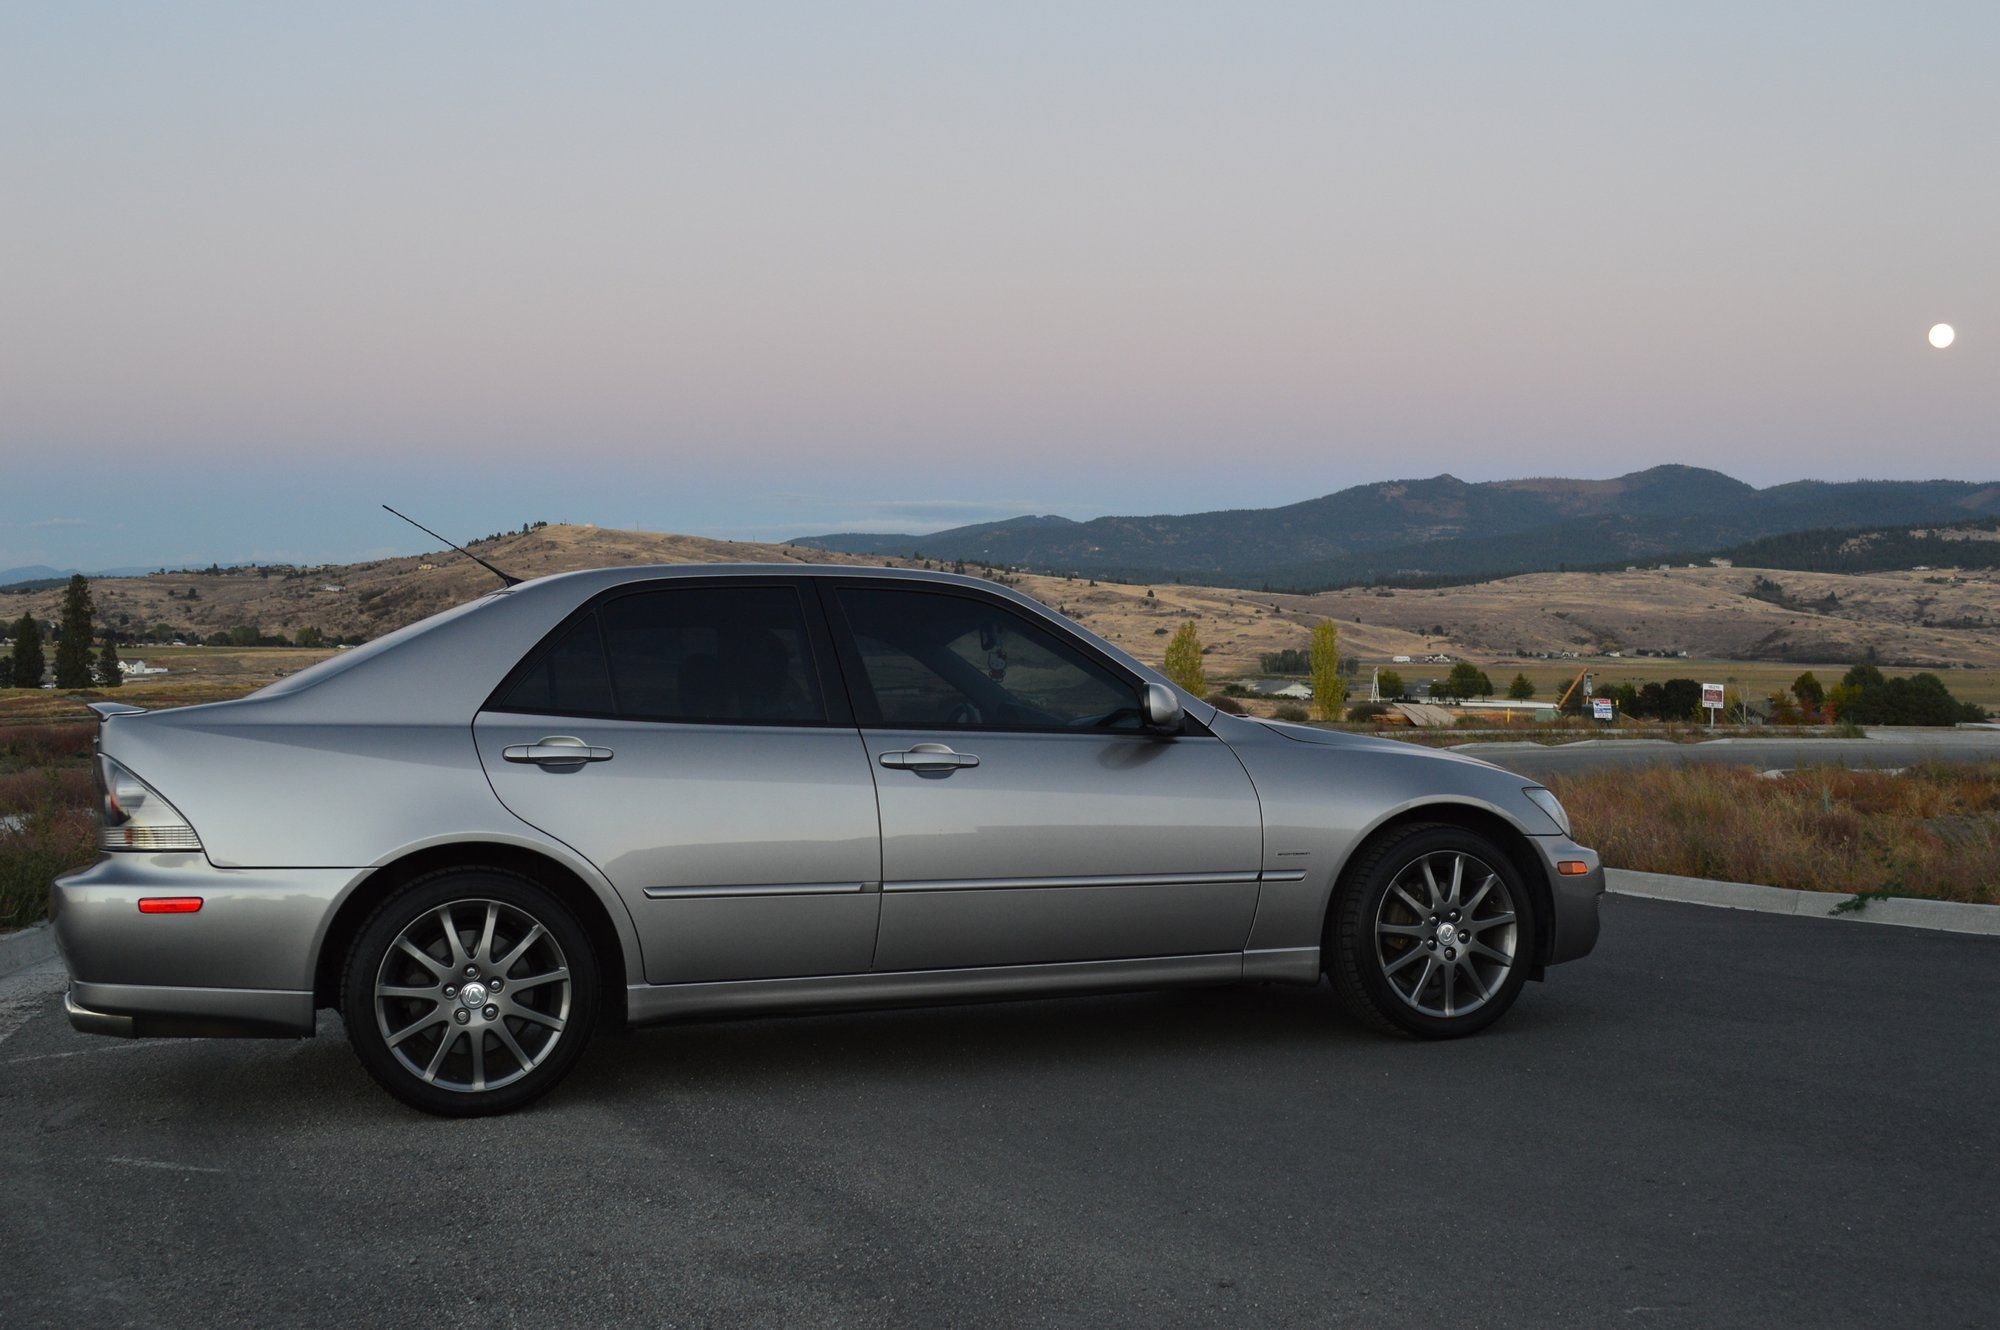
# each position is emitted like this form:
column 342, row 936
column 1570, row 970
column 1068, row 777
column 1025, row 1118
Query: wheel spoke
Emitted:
column 513, row 1045
column 421, row 1023
column 1457, row 878
column 1430, row 881
column 485, row 947
column 423, row 958
column 539, row 1017
column 537, row 980
column 1411, row 901
column 1490, row 921
column 506, row 963
column 1479, row 895
column 1450, row 985
column 1472, row 977
column 410, row 994
column 444, row 1047
column 1488, row 952
column 451, row 938
column 478, row 1038
column 1430, row 964
column 1414, row 953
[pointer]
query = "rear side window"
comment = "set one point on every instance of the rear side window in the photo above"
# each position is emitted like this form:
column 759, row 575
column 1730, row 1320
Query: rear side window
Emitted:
column 715, row 655
column 570, row 677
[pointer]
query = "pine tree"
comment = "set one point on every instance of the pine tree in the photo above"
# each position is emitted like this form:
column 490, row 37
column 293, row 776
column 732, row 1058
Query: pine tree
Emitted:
column 28, row 658
column 1521, row 689
column 1183, row 663
column 1329, row 689
column 108, row 673
column 73, row 646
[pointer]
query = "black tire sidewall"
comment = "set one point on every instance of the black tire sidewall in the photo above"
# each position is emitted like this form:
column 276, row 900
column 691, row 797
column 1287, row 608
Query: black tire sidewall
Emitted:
column 409, row 903
column 1354, row 930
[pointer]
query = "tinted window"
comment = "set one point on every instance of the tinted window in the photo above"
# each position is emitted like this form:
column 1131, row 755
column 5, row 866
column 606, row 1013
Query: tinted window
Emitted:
column 956, row 662
column 709, row 654
column 569, row 676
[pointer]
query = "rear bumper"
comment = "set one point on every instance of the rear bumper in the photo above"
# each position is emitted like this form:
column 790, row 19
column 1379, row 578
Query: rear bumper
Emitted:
column 241, row 965
column 146, row 1011
column 1573, row 927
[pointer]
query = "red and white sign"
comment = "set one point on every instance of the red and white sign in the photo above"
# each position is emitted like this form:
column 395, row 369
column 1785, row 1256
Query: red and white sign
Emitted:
column 1711, row 696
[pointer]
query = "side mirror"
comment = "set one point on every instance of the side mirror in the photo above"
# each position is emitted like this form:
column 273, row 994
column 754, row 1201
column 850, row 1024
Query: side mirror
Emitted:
column 1161, row 707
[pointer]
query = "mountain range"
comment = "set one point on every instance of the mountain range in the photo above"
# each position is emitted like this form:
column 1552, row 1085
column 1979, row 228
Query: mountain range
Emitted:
column 1439, row 530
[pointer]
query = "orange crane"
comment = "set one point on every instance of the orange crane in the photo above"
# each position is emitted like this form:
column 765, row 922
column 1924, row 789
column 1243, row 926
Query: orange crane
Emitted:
column 1583, row 678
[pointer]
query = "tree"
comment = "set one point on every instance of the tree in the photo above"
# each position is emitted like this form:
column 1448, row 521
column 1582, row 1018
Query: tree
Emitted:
column 1863, row 676
column 73, row 640
column 1389, row 683
column 1465, row 680
column 312, row 637
column 108, row 673
column 1810, row 694
column 1184, row 665
column 1329, row 688
column 1520, row 690
column 29, row 662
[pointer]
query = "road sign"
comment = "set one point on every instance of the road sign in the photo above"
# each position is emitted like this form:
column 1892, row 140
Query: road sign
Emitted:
column 1600, row 708
column 1711, row 696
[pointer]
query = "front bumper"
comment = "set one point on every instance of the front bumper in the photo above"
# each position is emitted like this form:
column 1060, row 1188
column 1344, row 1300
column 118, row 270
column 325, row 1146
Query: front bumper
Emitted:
column 1573, row 925
column 241, row 965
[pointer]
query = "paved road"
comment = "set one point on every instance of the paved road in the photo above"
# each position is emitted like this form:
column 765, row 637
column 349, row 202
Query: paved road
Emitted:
column 1882, row 748
column 1719, row 1119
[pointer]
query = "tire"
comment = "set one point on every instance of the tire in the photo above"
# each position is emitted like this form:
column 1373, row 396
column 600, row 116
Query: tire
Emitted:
column 1437, row 955
column 454, row 1043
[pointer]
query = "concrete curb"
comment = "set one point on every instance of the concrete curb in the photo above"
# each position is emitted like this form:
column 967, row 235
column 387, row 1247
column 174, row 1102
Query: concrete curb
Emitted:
column 1901, row 911
column 29, row 946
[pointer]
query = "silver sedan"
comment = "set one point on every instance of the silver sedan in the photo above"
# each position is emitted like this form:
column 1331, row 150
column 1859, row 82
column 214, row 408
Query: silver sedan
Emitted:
column 641, row 794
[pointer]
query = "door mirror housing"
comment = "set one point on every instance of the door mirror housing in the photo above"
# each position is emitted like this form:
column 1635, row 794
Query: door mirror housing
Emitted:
column 1161, row 707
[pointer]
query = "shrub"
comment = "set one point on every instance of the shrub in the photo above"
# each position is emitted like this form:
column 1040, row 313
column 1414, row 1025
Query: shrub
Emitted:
column 1368, row 711
column 1291, row 711
column 1224, row 702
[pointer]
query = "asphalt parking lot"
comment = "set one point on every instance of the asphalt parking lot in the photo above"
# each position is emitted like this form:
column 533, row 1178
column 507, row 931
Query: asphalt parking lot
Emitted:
column 1718, row 1119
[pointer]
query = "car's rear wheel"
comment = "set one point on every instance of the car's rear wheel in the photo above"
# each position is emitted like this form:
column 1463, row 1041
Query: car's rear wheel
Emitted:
column 470, row 991
column 1431, row 933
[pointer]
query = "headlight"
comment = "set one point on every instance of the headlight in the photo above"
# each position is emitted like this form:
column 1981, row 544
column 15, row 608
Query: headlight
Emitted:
column 1549, row 804
column 134, row 816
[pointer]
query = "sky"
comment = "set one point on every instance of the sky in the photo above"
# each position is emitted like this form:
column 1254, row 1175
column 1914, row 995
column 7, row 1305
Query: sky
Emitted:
column 761, row 270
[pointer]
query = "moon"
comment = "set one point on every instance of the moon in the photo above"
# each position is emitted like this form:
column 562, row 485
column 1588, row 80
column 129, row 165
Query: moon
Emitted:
column 1942, row 335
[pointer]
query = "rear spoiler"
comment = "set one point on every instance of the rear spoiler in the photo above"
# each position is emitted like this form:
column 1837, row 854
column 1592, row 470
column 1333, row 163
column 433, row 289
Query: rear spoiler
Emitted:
column 106, row 710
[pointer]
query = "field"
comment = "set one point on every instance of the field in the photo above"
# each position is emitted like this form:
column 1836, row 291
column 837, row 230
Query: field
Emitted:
column 1931, row 831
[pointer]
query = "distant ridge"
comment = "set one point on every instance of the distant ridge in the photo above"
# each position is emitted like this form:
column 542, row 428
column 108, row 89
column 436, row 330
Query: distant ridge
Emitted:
column 1439, row 529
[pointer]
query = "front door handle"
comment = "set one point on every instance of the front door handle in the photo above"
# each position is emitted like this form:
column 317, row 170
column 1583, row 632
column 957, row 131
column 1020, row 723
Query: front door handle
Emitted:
column 559, row 750
column 928, row 757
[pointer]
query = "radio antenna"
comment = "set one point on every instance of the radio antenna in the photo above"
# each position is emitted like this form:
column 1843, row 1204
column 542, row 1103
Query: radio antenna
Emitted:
column 504, row 577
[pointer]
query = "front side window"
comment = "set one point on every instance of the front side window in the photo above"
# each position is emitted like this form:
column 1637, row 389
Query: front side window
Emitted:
column 715, row 655
column 939, row 661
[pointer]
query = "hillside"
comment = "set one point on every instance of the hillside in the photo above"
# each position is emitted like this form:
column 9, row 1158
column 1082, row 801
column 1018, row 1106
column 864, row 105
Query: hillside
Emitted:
column 1442, row 528
column 1738, row 613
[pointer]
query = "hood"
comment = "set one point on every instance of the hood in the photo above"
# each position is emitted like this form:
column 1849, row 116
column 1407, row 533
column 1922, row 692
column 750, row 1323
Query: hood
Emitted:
column 1306, row 734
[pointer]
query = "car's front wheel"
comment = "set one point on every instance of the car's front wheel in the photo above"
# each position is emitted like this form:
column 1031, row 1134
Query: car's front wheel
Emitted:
column 470, row 991
column 1431, row 933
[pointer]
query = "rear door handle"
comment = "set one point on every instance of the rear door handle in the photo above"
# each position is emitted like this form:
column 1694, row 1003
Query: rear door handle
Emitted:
column 928, row 757
column 559, row 750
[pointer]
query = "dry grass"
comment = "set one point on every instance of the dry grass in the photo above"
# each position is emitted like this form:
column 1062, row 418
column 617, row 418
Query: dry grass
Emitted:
column 46, row 822
column 1932, row 831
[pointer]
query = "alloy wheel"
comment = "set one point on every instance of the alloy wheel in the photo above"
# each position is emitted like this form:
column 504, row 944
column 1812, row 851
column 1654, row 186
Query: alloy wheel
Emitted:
column 472, row 995
column 1446, row 933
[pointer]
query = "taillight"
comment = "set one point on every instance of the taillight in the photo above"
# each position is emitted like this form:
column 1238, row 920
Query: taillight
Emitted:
column 169, row 904
column 133, row 816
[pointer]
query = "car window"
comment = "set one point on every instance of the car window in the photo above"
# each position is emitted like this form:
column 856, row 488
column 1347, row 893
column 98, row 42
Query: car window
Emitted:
column 716, row 655
column 939, row 661
column 570, row 676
